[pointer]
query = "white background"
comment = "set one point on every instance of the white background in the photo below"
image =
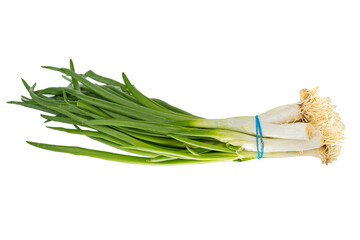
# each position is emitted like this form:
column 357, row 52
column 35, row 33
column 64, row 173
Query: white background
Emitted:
column 213, row 58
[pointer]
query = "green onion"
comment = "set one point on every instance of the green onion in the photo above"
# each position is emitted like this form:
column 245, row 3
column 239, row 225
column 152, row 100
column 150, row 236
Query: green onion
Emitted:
column 155, row 132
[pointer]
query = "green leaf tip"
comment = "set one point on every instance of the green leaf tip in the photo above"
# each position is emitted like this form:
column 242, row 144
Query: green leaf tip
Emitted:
column 27, row 86
column 72, row 68
column 126, row 79
column 51, row 68
column 35, row 144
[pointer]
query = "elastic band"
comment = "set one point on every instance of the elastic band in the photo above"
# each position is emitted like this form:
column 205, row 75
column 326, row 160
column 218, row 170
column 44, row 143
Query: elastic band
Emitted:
column 258, row 130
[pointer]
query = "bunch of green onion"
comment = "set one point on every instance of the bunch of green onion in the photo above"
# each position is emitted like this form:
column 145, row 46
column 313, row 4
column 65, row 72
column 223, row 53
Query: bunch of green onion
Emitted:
column 155, row 132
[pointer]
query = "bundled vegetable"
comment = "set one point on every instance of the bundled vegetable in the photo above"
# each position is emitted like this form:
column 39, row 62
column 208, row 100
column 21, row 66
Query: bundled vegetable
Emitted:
column 155, row 132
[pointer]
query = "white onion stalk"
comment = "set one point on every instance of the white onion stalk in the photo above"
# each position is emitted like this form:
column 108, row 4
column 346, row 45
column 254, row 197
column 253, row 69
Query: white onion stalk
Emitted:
column 300, row 131
column 317, row 152
column 283, row 145
column 248, row 143
column 289, row 113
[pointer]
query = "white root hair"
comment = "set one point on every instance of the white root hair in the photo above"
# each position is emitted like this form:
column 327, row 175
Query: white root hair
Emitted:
column 321, row 114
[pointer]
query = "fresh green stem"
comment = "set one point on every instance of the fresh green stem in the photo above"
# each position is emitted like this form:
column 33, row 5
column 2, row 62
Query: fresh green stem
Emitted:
column 74, row 80
column 122, row 148
column 201, row 144
column 33, row 106
column 172, row 108
column 61, row 119
column 142, row 98
column 158, row 140
column 92, row 109
column 91, row 153
column 105, row 80
column 108, row 155
column 90, row 134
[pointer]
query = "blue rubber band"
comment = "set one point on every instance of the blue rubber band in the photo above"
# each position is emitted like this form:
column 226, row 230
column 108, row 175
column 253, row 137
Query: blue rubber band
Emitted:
column 258, row 130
